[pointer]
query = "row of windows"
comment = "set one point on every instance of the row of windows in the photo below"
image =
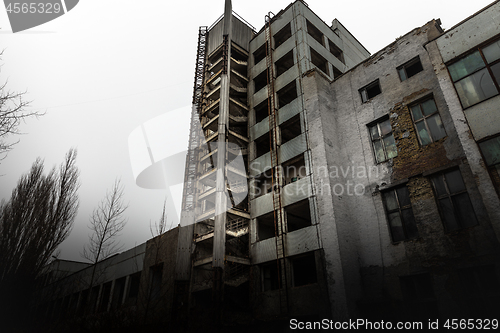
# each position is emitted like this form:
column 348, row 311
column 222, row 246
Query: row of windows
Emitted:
column 428, row 126
column 453, row 202
column 101, row 298
column 405, row 71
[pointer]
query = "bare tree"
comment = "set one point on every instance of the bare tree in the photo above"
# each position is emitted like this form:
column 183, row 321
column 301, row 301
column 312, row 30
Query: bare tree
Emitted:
column 13, row 110
column 106, row 223
column 33, row 223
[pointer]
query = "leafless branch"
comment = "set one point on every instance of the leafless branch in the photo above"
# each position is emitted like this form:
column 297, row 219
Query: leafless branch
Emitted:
column 106, row 223
column 13, row 110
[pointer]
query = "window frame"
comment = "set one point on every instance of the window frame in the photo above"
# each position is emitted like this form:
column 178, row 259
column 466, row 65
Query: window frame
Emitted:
column 424, row 119
column 381, row 139
column 493, row 168
column 458, row 218
column 487, row 66
column 364, row 97
column 408, row 64
column 399, row 210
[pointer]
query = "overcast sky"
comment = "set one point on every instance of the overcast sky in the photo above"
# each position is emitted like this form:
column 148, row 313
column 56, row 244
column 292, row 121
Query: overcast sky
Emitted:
column 107, row 67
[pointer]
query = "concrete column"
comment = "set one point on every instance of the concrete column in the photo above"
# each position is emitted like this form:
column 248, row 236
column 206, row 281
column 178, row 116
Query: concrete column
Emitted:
column 219, row 247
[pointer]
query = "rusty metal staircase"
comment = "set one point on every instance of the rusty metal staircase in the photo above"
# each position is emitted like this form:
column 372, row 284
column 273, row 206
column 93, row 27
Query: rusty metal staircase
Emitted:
column 276, row 179
column 195, row 138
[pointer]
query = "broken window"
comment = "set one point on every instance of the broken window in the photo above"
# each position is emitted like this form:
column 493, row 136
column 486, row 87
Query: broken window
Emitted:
column 290, row 129
column 298, row 215
column 261, row 111
column 477, row 75
column 294, row 169
column 263, row 183
column 304, row 270
column 287, row 94
column 282, row 36
column 259, row 54
column 315, row 32
column 383, row 142
column 270, row 278
column 284, row 63
column 410, row 69
column 418, row 295
column 262, row 145
column 319, row 61
column 491, row 154
column 265, row 226
column 427, row 122
column 260, row 81
column 336, row 51
column 400, row 214
column 453, row 201
column 370, row 91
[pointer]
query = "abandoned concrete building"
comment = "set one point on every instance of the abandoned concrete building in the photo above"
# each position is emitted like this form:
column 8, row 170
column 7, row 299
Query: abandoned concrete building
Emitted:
column 325, row 182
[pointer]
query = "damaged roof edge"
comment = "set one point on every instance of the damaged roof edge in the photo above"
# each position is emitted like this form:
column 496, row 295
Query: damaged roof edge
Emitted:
column 383, row 50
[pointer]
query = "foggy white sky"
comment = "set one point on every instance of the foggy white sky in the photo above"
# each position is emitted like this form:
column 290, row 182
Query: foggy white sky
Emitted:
column 106, row 67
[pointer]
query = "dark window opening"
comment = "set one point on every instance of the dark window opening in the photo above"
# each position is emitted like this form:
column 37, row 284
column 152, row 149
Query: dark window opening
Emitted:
column 298, row 215
column 427, row 122
column 370, row 91
column 265, row 226
column 118, row 292
column 284, row 63
column 262, row 145
column 453, row 201
column 92, row 307
column 282, row 36
column 106, row 292
column 261, row 111
column 270, row 278
column 319, row 61
column 418, row 295
column 215, row 57
column 294, row 169
column 410, row 69
column 84, row 298
column 237, row 54
column 290, row 129
column 133, row 290
column 336, row 51
column 383, row 142
column 259, row 54
column 315, row 33
column 400, row 214
column 336, row 72
column 287, row 94
column 260, row 81
column 304, row 270
column 491, row 154
column 156, row 276
column 263, row 183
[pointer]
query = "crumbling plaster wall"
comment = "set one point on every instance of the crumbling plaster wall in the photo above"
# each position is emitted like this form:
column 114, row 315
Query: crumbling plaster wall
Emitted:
column 361, row 260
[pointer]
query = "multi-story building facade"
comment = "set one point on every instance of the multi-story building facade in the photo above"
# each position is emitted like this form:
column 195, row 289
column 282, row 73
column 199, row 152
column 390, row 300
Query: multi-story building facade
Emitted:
column 322, row 182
